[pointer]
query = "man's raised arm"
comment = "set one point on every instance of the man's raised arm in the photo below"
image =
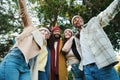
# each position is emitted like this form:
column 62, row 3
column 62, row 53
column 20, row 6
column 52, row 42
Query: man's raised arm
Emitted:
column 109, row 13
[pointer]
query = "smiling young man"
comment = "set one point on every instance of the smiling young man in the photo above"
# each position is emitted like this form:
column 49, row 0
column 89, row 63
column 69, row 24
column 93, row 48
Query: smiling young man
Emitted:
column 98, row 56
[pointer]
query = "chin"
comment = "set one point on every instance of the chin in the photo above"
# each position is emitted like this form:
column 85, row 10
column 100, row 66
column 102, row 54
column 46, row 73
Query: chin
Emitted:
column 77, row 26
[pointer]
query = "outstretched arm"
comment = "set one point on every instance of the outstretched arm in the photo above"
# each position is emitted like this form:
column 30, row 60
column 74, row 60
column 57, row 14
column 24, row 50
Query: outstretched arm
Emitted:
column 109, row 13
column 24, row 14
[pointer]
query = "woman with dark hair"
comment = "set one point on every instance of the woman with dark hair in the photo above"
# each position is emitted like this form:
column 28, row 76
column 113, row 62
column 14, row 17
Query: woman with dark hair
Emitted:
column 72, row 51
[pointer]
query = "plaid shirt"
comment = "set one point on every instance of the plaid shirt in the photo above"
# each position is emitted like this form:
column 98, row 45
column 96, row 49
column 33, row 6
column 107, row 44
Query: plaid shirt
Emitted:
column 93, row 34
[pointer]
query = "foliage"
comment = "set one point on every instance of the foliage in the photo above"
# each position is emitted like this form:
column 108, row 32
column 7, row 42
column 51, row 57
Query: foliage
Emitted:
column 9, row 23
column 49, row 12
column 113, row 29
column 52, row 12
column 70, row 75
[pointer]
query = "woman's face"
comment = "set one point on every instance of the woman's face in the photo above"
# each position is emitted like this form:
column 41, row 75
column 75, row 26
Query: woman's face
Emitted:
column 67, row 34
column 45, row 34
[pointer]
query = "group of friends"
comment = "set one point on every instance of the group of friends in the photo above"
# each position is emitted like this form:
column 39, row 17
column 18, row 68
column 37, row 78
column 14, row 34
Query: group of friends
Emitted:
column 41, row 54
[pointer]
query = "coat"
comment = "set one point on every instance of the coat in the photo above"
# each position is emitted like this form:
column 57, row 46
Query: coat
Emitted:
column 30, row 40
column 61, row 68
column 63, row 73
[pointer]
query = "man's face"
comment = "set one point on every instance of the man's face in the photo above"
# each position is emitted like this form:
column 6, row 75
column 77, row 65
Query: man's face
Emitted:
column 56, row 34
column 78, row 22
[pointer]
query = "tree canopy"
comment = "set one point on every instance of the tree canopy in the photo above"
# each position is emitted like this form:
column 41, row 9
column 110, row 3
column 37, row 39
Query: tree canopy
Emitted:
column 52, row 12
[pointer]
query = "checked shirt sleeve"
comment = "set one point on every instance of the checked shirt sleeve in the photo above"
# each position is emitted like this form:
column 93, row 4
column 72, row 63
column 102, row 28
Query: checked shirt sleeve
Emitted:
column 109, row 13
